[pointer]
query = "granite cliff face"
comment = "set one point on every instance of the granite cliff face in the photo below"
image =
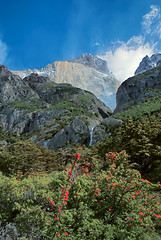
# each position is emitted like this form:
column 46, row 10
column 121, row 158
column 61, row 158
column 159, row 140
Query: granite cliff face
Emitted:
column 87, row 72
column 148, row 63
column 138, row 88
column 51, row 114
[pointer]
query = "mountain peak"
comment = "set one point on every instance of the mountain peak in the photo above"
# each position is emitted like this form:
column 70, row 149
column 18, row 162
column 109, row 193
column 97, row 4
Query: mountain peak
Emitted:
column 148, row 63
column 4, row 69
column 93, row 61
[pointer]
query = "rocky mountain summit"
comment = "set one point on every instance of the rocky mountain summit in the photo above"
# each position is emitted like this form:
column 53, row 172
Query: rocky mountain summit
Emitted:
column 138, row 89
column 95, row 62
column 86, row 72
column 50, row 114
column 148, row 63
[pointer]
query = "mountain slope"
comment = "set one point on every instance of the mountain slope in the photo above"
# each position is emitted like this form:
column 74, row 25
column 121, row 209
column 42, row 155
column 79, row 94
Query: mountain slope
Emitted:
column 87, row 72
column 138, row 89
column 51, row 114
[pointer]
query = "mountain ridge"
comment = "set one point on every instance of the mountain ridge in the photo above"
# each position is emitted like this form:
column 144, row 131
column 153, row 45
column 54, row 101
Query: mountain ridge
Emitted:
column 148, row 63
column 87, row 72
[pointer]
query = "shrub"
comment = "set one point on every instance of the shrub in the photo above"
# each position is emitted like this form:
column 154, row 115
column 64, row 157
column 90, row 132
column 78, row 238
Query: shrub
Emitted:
column 83, row 202
column 21, row 155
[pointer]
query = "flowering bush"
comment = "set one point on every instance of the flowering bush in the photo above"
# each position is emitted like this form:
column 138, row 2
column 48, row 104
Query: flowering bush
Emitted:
column 84, row 202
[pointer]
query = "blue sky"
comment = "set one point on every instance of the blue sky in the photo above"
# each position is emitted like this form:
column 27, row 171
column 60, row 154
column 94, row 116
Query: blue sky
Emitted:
column 34, row 33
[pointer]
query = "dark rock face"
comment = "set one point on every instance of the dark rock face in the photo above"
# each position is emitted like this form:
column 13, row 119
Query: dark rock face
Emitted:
column 74, row 133
column 137, row 89
column 148, row 63
column 34, row 80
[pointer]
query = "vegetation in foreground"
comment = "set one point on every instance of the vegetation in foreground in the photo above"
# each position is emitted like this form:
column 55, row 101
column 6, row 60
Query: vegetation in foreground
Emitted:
column 88, row 200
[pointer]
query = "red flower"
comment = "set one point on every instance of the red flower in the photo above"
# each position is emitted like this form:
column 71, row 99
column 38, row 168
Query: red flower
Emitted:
column 77, row 155
column 58, row 234
column 66, row 233
column 52, row 202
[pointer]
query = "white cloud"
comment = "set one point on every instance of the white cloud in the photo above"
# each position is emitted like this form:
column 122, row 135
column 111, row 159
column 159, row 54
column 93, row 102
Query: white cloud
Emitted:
column 124, row 60
column 126, row 56
column 3, row 52
column 152, row 27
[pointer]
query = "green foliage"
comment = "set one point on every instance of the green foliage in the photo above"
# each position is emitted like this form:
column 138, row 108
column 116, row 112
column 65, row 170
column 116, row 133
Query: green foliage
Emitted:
column 22, row 155
column 142, row 141
column 8, row 137
column 48, row 85
column 28, row 106
column 82, row 202
column 63, row 104
column 85, row 99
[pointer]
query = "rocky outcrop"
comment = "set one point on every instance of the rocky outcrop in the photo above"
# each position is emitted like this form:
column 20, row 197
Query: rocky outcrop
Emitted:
column 12, row 87
column 50, row 91
column 86, row 72
column 138, row 88
column 112, row 123
column 148, row 63
column 74, row 133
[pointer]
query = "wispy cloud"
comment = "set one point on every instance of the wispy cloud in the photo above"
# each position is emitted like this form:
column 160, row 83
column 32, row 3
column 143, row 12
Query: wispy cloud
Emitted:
column 3, row 52
column 126, row 56
column 150, row 18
